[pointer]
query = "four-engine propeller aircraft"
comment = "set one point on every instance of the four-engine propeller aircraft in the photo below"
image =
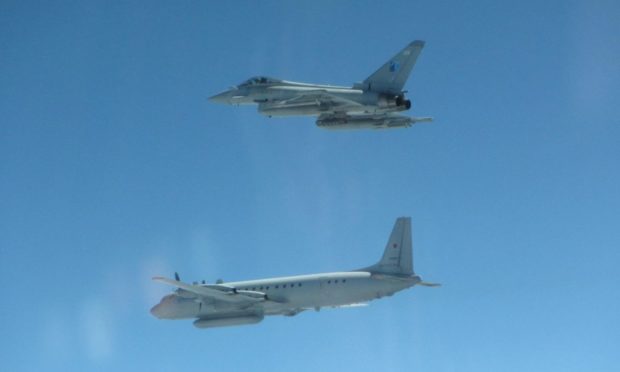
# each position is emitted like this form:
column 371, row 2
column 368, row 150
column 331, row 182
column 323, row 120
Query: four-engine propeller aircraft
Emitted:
column 371, row 104
column 247, row 302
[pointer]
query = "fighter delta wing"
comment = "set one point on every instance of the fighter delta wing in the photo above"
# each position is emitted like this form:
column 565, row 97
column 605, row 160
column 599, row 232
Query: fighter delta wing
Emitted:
column 371, row 104
column 308, row 100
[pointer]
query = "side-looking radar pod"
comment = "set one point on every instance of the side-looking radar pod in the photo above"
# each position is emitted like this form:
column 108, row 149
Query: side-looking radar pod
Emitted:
column 227, row 321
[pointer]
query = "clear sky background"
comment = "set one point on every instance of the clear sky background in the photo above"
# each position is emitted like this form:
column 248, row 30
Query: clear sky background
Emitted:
column 114, row 167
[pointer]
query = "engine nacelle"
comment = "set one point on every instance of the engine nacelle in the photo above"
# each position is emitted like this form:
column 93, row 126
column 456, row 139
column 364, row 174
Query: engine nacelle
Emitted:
column 393, row 103
column 387, row 102
column 184, row 294
column 227, row 321
column 402, row 102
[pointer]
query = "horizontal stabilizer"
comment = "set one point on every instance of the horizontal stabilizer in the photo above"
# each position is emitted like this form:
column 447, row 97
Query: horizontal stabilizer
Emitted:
column 427, row 284
column 424, row 119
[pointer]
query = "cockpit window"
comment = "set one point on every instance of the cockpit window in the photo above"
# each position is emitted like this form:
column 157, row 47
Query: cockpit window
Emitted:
column 258, row 81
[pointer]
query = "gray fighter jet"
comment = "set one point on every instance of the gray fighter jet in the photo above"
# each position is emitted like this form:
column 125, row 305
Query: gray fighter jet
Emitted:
column 247, row 302
column 371, row 104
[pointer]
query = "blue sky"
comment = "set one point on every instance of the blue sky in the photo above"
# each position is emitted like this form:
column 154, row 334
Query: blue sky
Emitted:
column 115, row 168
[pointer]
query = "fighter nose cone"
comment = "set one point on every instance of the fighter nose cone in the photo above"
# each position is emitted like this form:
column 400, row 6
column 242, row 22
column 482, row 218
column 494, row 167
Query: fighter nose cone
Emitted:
column 223, row 97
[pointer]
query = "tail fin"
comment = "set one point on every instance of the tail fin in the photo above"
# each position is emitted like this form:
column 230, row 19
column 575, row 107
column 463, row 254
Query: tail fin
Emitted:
column 397, row 257
column 391, row 77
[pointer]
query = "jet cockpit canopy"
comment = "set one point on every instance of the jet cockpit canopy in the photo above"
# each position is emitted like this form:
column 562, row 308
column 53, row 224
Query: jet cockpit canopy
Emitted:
column 259, row 80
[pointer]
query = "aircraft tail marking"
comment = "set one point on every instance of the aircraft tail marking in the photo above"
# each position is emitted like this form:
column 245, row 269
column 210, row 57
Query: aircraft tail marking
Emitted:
column 397, row 257
column 391, row 77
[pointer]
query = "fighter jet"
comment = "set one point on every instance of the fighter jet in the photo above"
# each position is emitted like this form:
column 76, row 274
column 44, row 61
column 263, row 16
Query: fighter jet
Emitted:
column 371, row 104
column 247, row 302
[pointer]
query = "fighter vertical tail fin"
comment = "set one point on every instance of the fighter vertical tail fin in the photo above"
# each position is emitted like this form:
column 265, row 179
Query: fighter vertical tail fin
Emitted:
column 391, row 77
column 397, row 257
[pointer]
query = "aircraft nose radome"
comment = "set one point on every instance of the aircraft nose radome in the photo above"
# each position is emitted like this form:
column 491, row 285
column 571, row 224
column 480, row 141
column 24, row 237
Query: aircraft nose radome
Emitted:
column 157, row 311
column 223, row 97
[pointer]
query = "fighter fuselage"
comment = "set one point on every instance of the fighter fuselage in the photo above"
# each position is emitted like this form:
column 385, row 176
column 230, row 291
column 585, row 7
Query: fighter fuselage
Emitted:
column 371, row 104
column 281, row 98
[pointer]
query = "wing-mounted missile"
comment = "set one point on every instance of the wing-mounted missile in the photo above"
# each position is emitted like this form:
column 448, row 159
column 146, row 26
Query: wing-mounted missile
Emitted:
column 343, row 122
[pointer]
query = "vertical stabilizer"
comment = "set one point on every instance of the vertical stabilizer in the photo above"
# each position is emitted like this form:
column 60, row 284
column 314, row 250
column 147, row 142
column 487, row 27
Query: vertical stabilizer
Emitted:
column 392, row 76
column 397, row 256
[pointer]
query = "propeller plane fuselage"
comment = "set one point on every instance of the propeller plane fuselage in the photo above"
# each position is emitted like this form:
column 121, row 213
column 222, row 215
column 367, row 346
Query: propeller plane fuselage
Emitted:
column 247, row 302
